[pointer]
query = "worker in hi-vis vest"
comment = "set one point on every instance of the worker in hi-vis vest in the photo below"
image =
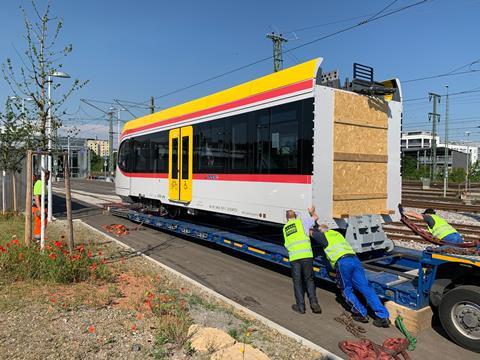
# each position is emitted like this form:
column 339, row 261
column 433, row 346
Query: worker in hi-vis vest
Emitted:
column 350, row 276
column 297, row 242
column 437, row 226
column 36, row 206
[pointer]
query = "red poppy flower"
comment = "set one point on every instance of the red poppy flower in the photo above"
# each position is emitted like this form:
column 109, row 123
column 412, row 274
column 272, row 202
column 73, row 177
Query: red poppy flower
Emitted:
column 58, row 244
column 93, row 266
column 2, row 249
column 52, row 256
column 91, row 329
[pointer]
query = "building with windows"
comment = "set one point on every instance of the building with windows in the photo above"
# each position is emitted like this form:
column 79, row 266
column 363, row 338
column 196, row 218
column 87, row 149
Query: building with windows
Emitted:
column 421, row 142
column 99, row 147
column 418, row 140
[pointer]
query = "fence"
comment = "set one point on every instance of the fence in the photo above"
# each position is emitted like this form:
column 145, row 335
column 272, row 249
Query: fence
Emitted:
column 7, row 184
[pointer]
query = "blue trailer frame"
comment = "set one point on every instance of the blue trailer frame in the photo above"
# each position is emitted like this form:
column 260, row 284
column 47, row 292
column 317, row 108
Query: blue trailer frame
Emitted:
column 404, row 276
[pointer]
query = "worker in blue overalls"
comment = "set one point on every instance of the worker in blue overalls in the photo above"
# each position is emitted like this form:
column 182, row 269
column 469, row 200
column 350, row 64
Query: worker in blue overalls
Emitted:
column 350, row 275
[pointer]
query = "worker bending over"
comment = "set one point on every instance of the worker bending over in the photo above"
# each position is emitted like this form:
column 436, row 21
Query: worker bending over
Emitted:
column 437, row 226
column 300, row 254
column 37, row 204
column 350, row 275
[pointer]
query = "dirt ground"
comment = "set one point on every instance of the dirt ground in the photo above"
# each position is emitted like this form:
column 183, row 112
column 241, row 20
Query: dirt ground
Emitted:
column 142, row 312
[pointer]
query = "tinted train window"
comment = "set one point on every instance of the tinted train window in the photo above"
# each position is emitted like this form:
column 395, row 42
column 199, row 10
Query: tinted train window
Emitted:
column 159, row 152
column 141, row 152
column 284, row 124
column 124, row 156
column 185, row 142
column 262, row 141
column 239, row 143
column 175, row 158
column 210, row 152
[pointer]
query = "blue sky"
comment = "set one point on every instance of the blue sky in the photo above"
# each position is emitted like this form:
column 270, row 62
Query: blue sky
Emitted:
column 134, row 49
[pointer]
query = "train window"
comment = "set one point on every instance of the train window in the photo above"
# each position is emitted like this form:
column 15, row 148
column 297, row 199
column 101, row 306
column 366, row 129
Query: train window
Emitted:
column 239, row 143
column 185, row 159
column 262, row 137
column 175, row 158
column 159, row 152
column 284, row 139
column 141, row 150
column 210, row 149
column 124, row 156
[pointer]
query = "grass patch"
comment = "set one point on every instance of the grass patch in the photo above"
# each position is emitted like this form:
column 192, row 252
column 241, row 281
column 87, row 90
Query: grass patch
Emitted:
column 53, row 264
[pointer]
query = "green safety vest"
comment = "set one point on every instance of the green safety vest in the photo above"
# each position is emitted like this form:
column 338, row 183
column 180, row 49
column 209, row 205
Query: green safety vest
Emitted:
column 337, row 246
column 441, row 228
column 296, row 241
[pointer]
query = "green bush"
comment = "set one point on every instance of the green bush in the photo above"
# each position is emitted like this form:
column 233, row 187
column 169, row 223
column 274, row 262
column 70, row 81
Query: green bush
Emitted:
column 456, row 175
column 53, row 264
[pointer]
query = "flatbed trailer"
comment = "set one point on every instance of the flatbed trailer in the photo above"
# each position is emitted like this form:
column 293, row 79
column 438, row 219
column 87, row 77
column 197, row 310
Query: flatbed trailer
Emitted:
column 411, row 278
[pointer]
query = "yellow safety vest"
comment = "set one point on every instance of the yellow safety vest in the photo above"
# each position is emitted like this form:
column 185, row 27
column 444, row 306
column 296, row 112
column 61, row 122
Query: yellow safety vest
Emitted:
column 337, row 246
column 296, row 241
column 441, row 228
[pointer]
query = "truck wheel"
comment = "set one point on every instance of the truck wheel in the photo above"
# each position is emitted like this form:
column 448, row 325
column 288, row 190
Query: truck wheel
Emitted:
column 459, row 314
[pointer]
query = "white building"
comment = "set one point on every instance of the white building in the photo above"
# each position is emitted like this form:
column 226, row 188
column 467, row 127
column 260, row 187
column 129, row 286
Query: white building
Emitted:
column 463, row 146
column 417, row 139
column 423, row 139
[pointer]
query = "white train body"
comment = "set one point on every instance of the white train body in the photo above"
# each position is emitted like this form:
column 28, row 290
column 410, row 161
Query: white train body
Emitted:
column 258, row 193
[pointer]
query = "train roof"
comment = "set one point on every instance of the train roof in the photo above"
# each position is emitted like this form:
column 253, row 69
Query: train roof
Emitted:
column 293, row 79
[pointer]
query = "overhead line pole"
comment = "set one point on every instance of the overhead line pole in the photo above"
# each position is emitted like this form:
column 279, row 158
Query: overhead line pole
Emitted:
column 152, row 104
column 110, row 145
column 277, row 50
column 434, row 117
column 445, row 170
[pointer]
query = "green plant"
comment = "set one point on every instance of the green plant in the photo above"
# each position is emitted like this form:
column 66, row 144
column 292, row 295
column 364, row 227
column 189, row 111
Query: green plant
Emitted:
column 52, row 264
column 457, row 175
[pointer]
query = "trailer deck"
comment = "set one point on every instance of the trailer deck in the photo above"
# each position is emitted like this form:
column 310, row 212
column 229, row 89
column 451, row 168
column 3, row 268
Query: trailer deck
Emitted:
column 404, row 276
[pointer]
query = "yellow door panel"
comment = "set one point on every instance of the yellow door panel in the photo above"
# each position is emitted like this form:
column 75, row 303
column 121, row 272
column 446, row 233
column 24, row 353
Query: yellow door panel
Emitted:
column 174, row 165
column 186, row 163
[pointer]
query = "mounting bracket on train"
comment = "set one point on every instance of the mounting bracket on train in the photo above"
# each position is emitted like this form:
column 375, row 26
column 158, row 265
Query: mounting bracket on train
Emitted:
column 363, row 82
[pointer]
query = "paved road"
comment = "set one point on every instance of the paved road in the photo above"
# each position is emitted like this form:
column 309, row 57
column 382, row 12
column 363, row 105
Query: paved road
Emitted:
column 264, row 288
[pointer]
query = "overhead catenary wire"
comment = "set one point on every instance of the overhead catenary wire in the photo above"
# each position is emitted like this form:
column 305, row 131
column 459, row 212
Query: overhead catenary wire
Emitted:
column 364, row 22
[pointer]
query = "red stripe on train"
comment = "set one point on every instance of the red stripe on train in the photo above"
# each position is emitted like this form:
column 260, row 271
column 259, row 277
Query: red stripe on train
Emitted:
column 272, row 178
column 303, row 85
column 275, row 178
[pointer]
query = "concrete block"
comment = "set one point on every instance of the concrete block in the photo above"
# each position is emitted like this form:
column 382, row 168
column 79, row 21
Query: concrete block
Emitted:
column 414, row 320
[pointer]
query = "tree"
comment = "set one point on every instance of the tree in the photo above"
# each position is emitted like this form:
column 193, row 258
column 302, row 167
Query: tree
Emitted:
column 41, row 58
column 16, row 136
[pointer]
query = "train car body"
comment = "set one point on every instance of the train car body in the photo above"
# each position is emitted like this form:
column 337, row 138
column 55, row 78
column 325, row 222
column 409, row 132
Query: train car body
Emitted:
column 283, row 141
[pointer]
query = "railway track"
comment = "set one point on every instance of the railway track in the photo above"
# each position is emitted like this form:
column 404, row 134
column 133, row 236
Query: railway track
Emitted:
column 438, row 205
column 400, row 232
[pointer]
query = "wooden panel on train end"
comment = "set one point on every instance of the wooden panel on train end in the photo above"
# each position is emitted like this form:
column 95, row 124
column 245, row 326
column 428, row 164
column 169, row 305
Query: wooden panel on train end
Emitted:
column 186, row 163
column 174, row 165
column 360, row 147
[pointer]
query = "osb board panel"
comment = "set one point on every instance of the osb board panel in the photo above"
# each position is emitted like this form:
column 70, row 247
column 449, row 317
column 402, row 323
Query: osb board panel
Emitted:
column 359, row 207
column 362, row 109
column 360, row 140
column 341, row 156
column 359, row 178
column 344, row 197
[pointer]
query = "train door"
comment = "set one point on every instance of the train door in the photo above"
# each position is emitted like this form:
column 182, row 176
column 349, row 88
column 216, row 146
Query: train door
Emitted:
column 180, row 164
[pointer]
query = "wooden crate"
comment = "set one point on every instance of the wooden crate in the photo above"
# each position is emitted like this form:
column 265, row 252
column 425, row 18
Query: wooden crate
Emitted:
column 414, row 320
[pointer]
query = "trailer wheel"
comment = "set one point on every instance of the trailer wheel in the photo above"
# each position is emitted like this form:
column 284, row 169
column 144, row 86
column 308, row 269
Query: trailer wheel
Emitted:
column 459, row 314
